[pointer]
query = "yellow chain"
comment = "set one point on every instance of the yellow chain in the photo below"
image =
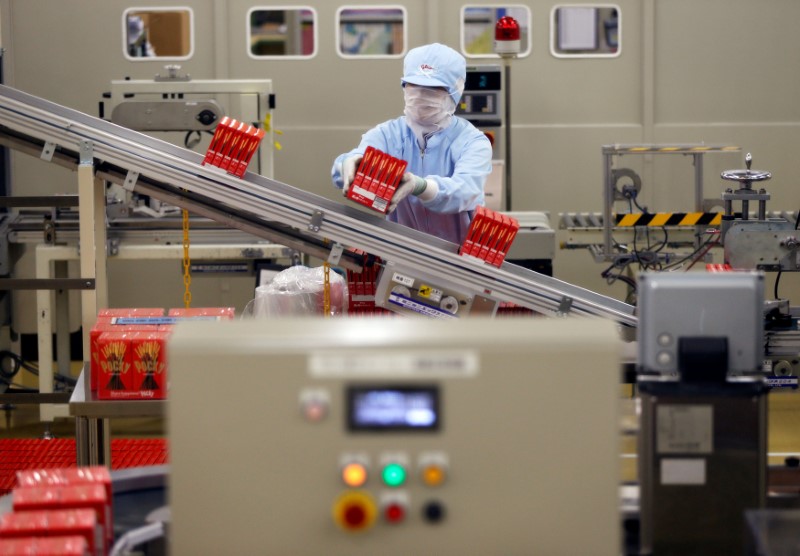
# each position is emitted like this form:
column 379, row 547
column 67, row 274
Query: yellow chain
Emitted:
column 326, row 290
column 187, row 276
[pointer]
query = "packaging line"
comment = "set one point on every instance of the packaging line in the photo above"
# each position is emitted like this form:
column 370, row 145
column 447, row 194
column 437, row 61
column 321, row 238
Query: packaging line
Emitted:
column 253, row 203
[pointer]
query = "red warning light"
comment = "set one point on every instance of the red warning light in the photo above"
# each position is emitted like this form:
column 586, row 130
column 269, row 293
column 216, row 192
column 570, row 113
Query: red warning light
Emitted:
column 507, row 29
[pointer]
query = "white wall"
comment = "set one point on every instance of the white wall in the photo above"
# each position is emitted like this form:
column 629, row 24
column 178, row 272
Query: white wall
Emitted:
column 717, row 71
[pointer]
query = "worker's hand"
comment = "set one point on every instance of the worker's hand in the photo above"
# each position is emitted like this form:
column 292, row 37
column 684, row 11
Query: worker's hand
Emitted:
column 409, row 185
column 349, row 167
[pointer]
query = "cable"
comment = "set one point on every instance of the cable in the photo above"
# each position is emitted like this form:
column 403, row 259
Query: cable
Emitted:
column 713, row 240
column 12, row 361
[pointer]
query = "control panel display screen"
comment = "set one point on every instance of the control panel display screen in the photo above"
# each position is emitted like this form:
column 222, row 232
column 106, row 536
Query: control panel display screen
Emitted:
column 482, row 81
column 400, row 408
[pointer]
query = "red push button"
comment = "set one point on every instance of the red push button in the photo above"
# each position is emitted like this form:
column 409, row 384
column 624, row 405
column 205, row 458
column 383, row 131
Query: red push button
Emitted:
column 394, row 512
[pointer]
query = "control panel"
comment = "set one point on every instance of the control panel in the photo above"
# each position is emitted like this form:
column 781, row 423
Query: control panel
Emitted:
column 413, row 292
column 393, row 435
column 482, row 102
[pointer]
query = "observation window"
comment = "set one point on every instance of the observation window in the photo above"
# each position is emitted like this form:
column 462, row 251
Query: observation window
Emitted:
column 158, row 33
column 478, row 25
column 282, row 32
column 371, row 31
column 585, row 31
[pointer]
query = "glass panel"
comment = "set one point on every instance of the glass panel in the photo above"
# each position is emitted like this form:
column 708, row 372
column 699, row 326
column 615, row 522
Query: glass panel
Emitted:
column 282, row 32
column 585, row 31
column 371, row 31
column 477, row 29
column 158, row 33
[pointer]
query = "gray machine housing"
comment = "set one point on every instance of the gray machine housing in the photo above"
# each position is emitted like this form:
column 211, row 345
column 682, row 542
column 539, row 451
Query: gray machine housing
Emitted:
column 730, row 305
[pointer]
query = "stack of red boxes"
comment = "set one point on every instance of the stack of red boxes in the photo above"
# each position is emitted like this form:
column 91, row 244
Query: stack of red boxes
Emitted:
column 490, row 236
column 70, row 506
column 718, row 267
column 129, row 350
column 233, row 146
column 44, row 546
column 61, row 524
column 361, row 289
column 376, row 180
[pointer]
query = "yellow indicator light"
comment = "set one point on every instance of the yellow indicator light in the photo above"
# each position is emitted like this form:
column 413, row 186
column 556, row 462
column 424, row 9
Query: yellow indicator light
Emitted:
column 354, row 474
column 433, row 475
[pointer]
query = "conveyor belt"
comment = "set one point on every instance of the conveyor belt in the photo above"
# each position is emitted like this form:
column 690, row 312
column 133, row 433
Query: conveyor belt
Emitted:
column 271, row 209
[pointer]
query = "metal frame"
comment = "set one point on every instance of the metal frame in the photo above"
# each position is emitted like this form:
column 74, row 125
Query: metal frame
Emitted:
column 274, row 209
column 610, row 151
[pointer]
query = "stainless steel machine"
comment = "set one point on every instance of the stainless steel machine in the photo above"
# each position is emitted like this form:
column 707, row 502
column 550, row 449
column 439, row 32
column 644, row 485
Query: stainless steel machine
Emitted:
column 395, row 436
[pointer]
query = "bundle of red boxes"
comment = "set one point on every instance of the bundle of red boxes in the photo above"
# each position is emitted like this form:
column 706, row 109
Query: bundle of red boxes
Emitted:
column 376, row 179
column 361, row 289
column 60, row 511
column 233, row 146
column 490, row 236
column 128, row 357
column 712, row 267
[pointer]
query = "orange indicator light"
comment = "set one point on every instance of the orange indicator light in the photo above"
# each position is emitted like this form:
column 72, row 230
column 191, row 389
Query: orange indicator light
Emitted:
column 433, row 475
column 354, row 474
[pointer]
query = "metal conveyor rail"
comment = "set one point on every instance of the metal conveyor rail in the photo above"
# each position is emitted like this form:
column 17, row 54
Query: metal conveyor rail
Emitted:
column 256, row 203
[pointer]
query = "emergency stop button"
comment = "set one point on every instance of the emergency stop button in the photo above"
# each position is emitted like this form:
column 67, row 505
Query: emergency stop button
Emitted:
column 354, row 511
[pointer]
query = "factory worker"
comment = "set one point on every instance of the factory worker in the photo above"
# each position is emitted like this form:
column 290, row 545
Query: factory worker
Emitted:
column 448, row 158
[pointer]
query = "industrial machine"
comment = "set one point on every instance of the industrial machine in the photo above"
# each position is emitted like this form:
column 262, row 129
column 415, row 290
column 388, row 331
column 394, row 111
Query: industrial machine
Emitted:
column 703, row 434
column 395, row 436
column 39, row 236
column 274, row 211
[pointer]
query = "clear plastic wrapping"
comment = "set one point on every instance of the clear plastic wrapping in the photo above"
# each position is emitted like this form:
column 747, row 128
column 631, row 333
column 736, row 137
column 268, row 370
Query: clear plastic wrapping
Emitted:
column 299, row 291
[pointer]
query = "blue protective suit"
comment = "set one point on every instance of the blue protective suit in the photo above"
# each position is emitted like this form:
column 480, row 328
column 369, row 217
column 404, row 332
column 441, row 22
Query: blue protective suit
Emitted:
column 458, row 158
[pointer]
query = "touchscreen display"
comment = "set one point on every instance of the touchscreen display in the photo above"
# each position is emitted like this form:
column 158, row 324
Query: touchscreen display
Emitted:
column 401, row 408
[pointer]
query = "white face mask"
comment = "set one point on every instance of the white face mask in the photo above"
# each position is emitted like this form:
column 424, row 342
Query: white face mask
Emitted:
column 427, row 110
column 426, row 106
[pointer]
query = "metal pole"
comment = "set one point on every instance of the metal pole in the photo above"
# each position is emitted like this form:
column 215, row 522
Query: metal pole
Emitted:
column 507, row 110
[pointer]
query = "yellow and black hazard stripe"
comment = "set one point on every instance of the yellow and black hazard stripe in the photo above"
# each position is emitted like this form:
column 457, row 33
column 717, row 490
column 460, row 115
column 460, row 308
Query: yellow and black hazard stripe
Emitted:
column 669, row 219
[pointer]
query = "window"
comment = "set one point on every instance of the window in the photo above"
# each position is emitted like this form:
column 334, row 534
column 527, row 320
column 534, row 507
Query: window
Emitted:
column 374, row 31
column 157, row 33
column 282, row 32
column 478, row 24
column 585, row 31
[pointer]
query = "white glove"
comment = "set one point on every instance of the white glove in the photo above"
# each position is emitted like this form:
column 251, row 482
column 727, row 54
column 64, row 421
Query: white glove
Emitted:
column 413, row 185
column 349, row 167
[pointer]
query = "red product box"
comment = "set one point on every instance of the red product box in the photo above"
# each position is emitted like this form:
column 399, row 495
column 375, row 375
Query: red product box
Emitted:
column 87, row 496
column 376, row 179
column 131, row 312
column 104, row 325
column 67, row 476
column 44, row 546
column 149, row 364
column 231, row 149
column 115, row 379
column 221, row 313
column 490, row 236
column 219, row 138
column 253, row 139
column 477, row 227
column 55, row 523
column 511, row 234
